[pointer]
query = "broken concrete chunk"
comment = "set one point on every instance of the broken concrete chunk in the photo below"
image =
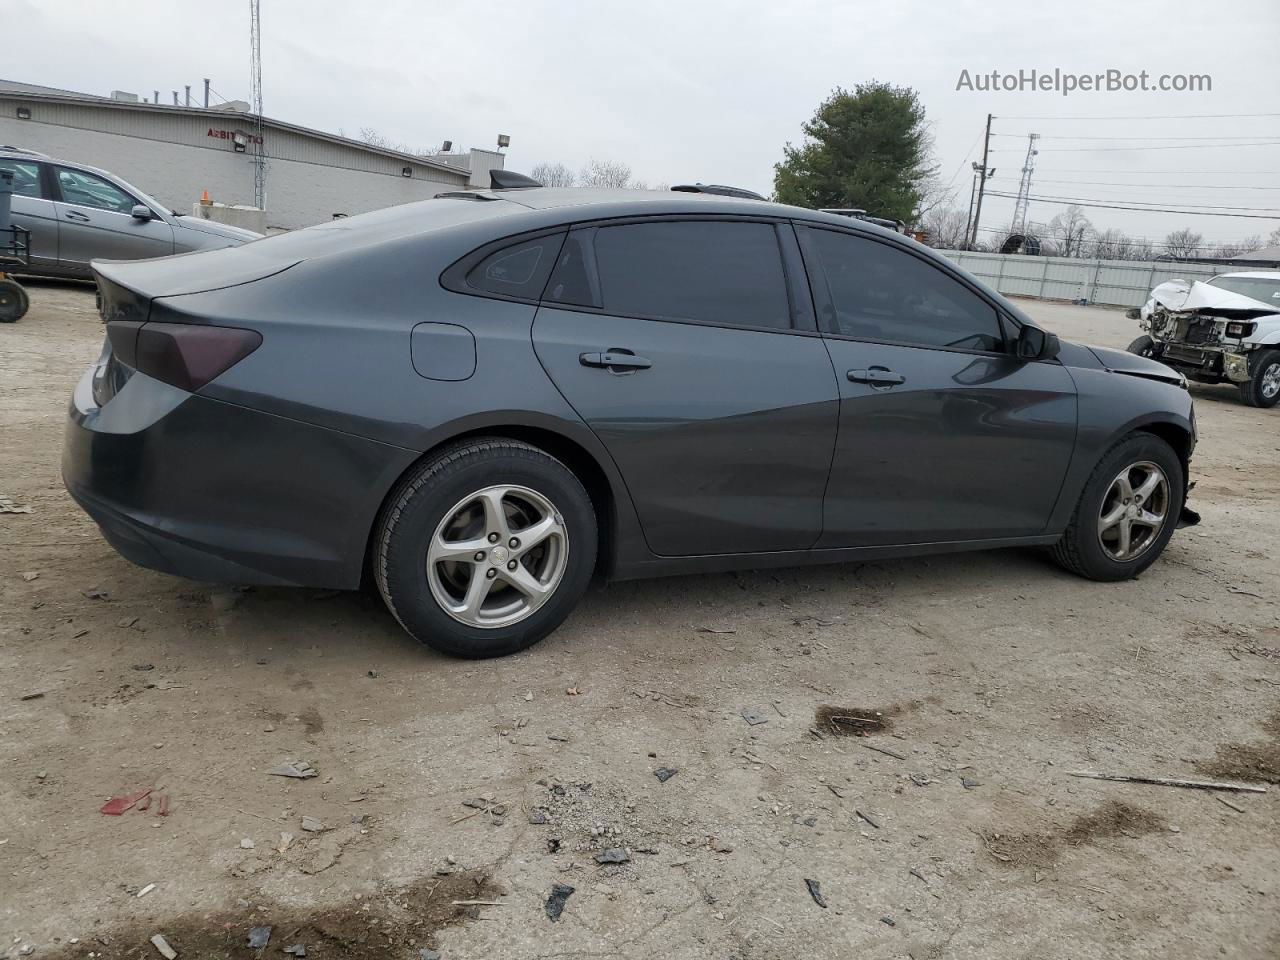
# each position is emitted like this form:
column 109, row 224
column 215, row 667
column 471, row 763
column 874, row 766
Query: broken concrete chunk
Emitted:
column 298, row 769
column 560, row 892
column 754, row 715
column 427, row 954
column 665, row 773
column 258, row 937
column 613, row 855
column 312, row 825
column 297, row 950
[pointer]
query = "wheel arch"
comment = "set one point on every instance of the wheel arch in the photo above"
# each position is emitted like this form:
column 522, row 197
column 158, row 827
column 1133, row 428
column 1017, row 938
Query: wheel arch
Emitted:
column 608, row 496
column 1174, row 434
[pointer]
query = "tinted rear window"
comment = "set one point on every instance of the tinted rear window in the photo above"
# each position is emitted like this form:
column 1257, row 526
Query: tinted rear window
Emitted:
column 709, row 271
column 519, row 270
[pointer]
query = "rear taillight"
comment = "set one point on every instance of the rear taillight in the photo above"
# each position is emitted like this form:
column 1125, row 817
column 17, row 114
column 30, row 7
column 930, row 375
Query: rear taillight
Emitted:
column 186, row 355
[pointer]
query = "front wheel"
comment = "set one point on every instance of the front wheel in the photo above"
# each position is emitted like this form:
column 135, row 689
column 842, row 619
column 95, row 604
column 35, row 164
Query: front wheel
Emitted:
column 13, row 301
column 486, row 548
column 1145, row 346
column 1127, row 512
column 1263, row 386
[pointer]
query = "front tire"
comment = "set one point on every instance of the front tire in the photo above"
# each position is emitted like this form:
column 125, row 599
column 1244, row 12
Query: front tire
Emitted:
column 486, row 548
column 1145, row 346
column 1263, row 386
column 1127, row 512
column 13, row 301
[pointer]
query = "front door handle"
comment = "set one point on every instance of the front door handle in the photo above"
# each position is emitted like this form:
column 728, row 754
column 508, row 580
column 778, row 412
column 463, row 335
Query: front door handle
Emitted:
column 75, row 215
column 877, row 377
column 615, row 359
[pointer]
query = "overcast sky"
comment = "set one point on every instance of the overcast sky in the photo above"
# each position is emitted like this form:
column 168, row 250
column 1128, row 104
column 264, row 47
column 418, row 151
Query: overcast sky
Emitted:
column 711, row 90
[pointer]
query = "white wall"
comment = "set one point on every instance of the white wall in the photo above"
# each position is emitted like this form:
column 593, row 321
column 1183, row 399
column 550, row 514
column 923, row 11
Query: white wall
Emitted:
column 299, row 194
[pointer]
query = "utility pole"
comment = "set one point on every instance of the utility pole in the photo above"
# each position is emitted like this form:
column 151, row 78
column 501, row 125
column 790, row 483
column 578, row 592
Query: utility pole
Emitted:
column 206, row 93
column 983, row 174
column 255, row 93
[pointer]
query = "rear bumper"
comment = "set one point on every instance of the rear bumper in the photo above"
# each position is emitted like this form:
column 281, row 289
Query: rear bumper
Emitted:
column 214, row 491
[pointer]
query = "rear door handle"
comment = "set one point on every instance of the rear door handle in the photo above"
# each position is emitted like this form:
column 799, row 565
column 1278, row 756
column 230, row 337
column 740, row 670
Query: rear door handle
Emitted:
column 615, row 359
column 877, row 377
column 74, row 215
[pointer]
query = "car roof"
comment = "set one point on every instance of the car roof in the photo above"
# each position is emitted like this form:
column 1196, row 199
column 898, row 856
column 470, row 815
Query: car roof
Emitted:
column 1252, row 275
column 624, row 202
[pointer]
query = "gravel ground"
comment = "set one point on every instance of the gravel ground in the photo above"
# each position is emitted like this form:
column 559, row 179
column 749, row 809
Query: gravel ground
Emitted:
column 952, row 831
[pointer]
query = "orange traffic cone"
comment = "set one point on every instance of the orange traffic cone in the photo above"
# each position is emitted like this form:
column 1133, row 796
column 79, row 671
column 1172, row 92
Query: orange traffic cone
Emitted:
column 204, row 198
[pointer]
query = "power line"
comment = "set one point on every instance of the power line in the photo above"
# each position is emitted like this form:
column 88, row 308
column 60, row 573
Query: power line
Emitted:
column 1174, row 116
column 1158, row 186
column 1146, row 240
column 1179, row 146
column 1189, row 206
column 1254, row 136
column 1066, row 201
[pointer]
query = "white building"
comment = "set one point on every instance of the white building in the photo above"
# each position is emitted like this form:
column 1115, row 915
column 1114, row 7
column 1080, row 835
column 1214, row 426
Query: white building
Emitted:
column 176, row 153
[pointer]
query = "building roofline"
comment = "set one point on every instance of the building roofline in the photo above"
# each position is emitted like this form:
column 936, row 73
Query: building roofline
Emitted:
column 90, row 100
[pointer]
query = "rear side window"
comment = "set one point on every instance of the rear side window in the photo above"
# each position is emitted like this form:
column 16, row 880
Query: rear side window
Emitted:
column 26, row 178
column 518, row 271
column 879, row 292
column 719, row 272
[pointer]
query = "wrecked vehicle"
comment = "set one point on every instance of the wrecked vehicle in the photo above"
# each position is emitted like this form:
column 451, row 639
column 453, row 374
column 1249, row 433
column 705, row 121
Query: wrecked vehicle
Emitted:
column 1224, row 330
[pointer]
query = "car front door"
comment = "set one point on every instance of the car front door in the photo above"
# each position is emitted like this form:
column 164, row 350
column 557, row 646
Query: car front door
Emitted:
column 33, row 210
column 944, row 435
column 95, row 219
column 683, row 344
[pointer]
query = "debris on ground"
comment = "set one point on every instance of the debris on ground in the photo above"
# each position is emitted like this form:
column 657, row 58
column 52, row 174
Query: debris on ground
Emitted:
column 32, row 696
column 29, row 575
column 145, row 890
column 815, row 891
column 574, row 691
column 714, row 630
column 719, row 846
column 613, row 855
column 296, row 950
column 754, row 715
column 126, row 622
column 118, row 805
column 9, row 506
column 918, row 875
column 888, row 921
column 665, row 773
column 298, row 769
column 144, row 667
column 1169, row 781
column 312, row 825
column 869, row 819
column 96, row 593
column 885, row 750
column 286, row 838
column 539, row 815
column 553, row 844
column 560, row 892
column 969, row 784
column 258, row 937
column 428, row 954
column 161, row 944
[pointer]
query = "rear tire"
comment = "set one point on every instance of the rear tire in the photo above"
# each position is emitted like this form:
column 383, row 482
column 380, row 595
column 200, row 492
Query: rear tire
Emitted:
column 1263, row 386
column 1095, row 548
column 486, row 548
column 1145, row 346
column 13, row 301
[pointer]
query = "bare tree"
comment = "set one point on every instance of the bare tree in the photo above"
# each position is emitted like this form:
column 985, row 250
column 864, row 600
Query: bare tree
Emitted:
column 944, row 227
column 611, row 174
column 1183, row 243
column 1071, row 228
column 375, row 139
column 1113, row 244
column 554, row 175
column 1233, row 248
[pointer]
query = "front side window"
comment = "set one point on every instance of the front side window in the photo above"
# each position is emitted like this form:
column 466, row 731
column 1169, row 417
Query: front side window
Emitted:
column 720, row 272
column 26, row 178
column 881, row 293
column 87, row 190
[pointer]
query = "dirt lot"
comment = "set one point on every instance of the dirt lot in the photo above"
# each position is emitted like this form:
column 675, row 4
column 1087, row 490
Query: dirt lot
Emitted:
column 955, row 831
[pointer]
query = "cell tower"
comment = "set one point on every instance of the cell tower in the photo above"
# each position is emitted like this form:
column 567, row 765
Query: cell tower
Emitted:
column 1019, row 223
column 255, row 93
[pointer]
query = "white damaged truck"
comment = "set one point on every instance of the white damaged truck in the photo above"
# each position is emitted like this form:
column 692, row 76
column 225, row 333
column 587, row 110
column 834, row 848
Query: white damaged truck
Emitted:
column 1224, row 330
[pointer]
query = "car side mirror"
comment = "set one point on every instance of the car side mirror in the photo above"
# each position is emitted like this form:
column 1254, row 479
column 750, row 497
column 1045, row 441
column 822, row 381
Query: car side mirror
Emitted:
column 1036, row 344
column 143, row 212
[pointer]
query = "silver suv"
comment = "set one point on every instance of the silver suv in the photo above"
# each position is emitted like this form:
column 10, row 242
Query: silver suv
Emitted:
column 77, row 214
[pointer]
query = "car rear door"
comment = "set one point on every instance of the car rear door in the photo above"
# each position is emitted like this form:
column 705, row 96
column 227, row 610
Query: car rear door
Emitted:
column 692, row 354
column 944, row 435
column 33, row 210
column 95, row 219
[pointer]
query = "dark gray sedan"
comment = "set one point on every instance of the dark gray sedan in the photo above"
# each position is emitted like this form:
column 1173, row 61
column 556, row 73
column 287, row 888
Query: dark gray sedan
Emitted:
column 77, row 214
column 477, row 402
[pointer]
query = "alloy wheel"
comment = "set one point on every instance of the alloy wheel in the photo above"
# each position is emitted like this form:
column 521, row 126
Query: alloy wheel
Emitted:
column 1270, row 384
column 1134, row 511
column 497, row 556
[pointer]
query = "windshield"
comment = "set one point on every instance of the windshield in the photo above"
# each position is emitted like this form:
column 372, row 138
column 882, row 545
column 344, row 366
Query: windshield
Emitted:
column 1265, row 289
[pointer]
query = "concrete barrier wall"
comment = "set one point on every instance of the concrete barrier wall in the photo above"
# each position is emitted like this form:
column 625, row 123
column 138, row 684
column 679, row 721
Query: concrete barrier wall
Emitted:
column 1120, row 283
